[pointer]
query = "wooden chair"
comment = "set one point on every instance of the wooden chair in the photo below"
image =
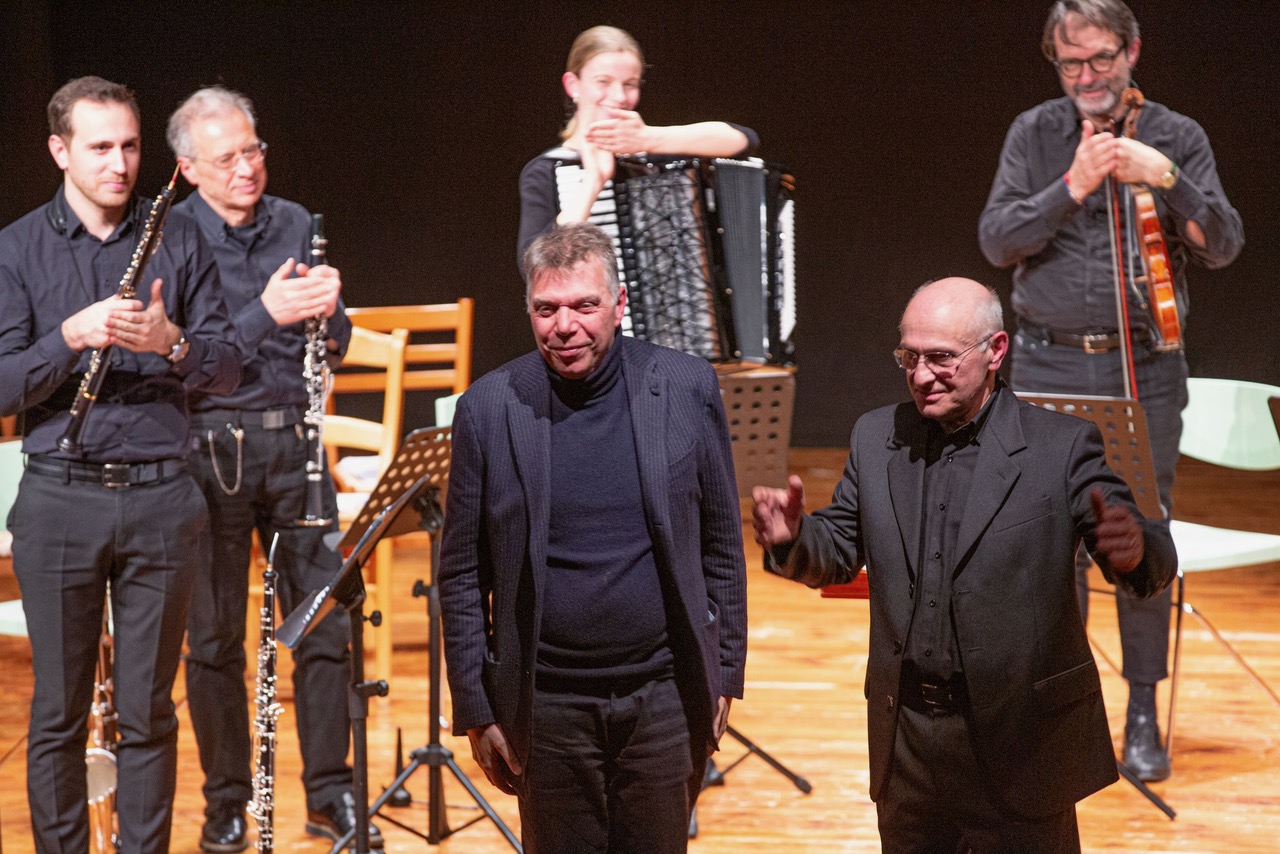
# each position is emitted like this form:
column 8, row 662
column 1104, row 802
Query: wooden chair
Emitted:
column 432, row 364
column 438, row 359
column 384, row 354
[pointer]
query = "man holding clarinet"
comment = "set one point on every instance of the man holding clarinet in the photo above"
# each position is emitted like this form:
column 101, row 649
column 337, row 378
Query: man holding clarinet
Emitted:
column 250, row 453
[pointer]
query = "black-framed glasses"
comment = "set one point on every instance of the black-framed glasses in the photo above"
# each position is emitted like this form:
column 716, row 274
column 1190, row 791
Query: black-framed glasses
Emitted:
column 252, row 153
column 1100, row 62
column 938, row 361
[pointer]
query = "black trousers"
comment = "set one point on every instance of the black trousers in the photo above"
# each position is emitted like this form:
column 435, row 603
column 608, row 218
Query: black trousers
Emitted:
column 271, row 472
column 609, row 771
column 1161, row 379
column 70, row 539
column 936, row 800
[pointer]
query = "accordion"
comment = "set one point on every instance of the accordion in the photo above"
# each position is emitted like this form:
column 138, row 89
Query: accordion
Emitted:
column 706, row 249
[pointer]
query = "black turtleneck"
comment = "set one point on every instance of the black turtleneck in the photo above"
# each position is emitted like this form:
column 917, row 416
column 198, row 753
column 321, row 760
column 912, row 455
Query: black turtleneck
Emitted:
column 603, row 613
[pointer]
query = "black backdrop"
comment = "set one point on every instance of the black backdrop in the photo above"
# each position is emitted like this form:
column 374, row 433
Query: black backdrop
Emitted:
column 407, row 124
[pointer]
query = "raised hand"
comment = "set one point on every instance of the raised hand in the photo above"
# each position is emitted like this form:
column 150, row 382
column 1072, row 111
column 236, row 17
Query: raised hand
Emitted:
column 90, row 327
column 622, row 132
column 145, row 330
column 777, row 512
column 1119, row 534
column 1139, row 163
column 313, row 291
column 1095, row 159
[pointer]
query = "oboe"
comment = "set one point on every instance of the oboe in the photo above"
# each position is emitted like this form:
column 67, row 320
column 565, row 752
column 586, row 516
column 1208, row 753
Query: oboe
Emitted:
column 99, row 362
column 262, row 806
column 315, row 372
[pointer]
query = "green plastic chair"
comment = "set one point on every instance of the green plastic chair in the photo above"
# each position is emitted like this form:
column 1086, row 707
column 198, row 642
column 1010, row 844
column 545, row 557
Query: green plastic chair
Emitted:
column 12, row 620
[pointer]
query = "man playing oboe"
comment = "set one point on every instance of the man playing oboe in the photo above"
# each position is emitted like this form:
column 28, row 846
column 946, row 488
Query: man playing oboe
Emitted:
column 123, row 509
column 250, row 454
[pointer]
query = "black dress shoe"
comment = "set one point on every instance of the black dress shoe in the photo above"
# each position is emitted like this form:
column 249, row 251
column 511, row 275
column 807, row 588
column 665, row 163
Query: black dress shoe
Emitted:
column 338, row 819
column 1143, row 754
column 224, row 830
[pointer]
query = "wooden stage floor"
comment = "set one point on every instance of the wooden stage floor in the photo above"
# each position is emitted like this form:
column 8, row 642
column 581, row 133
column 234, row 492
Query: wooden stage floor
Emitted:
column 804, row 705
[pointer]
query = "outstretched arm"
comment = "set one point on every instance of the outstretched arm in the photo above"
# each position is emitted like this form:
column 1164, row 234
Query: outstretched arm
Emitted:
column 625, row 132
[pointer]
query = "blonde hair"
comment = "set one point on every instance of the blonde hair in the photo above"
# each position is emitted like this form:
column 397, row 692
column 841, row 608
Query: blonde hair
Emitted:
column 590, row 43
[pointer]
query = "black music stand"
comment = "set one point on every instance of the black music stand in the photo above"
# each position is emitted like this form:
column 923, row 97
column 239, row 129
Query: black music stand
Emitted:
column 427, row 451
column 394, row 507
column 1123, row 424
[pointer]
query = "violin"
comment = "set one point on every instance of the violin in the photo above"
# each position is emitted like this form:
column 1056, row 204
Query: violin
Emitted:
column 1155, row 254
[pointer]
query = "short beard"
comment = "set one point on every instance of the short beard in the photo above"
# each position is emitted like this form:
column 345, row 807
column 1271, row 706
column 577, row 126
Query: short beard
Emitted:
column 1108, row 110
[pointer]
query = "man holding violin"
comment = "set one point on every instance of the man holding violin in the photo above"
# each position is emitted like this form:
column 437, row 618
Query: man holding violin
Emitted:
column 1072, row 177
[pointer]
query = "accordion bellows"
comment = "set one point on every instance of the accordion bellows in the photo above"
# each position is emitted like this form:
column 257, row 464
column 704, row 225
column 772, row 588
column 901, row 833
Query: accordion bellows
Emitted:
column 706, row 251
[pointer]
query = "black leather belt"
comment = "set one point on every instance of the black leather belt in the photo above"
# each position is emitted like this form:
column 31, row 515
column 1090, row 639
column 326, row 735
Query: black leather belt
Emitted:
column 112, row 475
column 267, row 419
column 928, row 698
column 1090, row 342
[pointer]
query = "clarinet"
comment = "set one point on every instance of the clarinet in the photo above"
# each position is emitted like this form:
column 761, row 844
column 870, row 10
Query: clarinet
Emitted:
column 148, row 242
column 315, row 372
column 262, row 806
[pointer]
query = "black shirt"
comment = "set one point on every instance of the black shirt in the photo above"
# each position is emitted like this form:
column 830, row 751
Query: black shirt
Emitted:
column 1063, row 279
column 51, row 268
column 950, row 460
column 247, row 256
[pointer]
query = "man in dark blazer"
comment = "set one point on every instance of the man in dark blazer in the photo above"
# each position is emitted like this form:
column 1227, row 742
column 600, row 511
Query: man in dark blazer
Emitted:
column 985, row 716
column 592, row 580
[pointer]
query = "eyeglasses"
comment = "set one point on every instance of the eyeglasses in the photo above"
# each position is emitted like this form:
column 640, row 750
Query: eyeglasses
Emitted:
column 1100, row 62
column 252, row 153
column 938, row 361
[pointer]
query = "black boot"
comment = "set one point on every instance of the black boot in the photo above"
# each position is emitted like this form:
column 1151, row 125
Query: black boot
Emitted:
column 1144, row 753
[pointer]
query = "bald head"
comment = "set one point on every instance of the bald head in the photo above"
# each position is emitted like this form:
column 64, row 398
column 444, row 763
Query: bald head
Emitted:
column 962, row 304
column 953, row 340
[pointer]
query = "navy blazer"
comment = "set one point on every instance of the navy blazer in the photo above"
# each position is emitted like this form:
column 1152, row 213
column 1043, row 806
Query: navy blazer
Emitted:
column 1038, row 724
column 494, row 543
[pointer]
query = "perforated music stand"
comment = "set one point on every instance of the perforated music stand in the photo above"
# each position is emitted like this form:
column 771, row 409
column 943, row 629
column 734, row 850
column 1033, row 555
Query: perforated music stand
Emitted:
column 758, row 405
column 1123, row 424
column 423, row 453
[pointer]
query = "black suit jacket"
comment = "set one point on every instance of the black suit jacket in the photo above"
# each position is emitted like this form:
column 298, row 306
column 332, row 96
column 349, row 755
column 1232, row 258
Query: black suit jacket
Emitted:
column 493, row 547
column 1037, row 722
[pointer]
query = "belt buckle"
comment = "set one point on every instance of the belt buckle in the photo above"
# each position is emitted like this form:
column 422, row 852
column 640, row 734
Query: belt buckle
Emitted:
column 1088, row 341
column 115, row 475
column 273, row 419
column 935, row 696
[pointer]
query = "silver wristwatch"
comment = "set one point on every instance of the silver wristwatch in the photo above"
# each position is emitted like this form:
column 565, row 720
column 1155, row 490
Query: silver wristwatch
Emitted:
column 179, row 350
